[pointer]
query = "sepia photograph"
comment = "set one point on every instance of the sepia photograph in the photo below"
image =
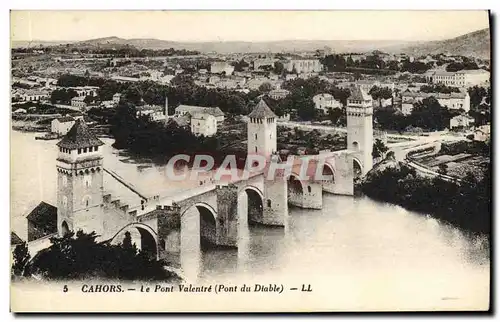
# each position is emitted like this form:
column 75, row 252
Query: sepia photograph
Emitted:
column 250, row 161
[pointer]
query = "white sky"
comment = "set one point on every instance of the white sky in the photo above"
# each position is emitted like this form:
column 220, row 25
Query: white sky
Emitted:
column 246, row 25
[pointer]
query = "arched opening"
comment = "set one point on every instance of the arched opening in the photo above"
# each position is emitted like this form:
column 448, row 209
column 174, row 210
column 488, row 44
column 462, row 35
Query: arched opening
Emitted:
column 64, row 228
column 294, row 189
column 148, row 243
column 141, row 237
column 328, row 172
column 355, row 146
column 356, row 167
column 255, row 207
column 208, row 227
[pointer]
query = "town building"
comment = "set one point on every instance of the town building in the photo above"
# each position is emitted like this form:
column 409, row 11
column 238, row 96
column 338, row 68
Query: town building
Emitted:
column 153, row 112
column 325, row 101
column 482, row 133
column 453, row 101
column 367, row 85
column 116, row 97
column 42, row 221
column 278, row 94
column 461, row 121
column 203, row 124
column 221, row 67
column 30, row 95
column 62, row 125
column 263, row 62
column 303, row 65
column 78, row 101
column 462, row 78
column 190, row 110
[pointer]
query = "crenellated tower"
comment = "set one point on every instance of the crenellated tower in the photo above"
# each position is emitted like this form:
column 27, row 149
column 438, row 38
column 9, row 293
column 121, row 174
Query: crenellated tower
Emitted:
column 79, row 181
column 360, row 127
column 261, row 130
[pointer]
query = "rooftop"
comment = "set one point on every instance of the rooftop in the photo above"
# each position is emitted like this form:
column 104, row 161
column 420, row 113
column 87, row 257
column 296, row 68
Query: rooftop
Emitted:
column 261, row 111
column 359, row 94
column 191, row 109
column 65, row 119
column 79, row 136
column 44, row 221
column 15, row 239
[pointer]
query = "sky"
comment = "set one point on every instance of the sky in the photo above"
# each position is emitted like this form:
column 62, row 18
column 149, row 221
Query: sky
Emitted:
column 193, row 26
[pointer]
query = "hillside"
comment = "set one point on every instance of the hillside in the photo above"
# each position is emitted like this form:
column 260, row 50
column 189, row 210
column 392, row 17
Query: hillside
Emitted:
column 475, row 44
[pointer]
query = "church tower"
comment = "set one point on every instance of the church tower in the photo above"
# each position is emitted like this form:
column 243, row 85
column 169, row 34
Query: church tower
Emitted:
column 79, row 181
column 261, row 130
column 360, row 128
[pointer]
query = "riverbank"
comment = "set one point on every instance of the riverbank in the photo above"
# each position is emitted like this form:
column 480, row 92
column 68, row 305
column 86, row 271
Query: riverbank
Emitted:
column 464, row 205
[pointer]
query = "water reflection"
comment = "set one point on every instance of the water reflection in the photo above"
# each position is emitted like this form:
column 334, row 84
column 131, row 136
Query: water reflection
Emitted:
column 354, row 243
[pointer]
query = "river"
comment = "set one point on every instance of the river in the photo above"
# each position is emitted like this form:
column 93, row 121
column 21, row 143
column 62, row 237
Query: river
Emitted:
column 356, row 253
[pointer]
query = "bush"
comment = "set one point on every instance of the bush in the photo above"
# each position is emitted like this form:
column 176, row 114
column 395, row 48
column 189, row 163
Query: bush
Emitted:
column 77, row 256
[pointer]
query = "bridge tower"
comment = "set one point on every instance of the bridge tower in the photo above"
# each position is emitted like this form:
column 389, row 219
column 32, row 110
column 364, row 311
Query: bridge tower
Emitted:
column 360, row 128
column 79, row 181
column 261, row 130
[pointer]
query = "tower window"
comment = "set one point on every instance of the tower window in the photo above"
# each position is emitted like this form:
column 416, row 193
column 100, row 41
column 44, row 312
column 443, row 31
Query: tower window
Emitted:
column 256, row 136
column 268, row 202
column 309, row 189
column 255, row 149
column 79, row 151
column 84, row 150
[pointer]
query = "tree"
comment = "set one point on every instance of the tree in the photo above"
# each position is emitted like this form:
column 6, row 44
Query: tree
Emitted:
column 265, row 87
column 22, row 257
column 379, row 93
column 429, row 114
column 334, row 114
column 278, row 68
column 77, row 256
column 477, row 93
column 379, row 149
column 89, row 99
column 443, row 169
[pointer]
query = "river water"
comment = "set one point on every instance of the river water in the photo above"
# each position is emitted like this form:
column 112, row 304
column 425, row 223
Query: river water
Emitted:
column 355, row 253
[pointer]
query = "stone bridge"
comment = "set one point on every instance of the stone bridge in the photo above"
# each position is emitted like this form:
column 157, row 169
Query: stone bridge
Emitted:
column 156, row 224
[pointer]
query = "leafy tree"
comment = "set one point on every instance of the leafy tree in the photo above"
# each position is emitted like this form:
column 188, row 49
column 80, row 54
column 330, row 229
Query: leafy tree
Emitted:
column 429, row 114
column 379, row 149
column 278, row 68
column 439, row 88
column 443, row 169
column 79, row 255
column 89, row 99
column 335, row 114
column 20, row 267
column 265, row 87
column 379, row 93
column 454, row 67
column 477, row 93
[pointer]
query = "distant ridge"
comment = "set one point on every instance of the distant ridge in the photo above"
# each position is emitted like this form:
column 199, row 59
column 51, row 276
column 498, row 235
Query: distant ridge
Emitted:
column 476, row 43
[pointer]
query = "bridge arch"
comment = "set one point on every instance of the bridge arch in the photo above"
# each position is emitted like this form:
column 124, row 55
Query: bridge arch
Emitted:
column 295, row 188
column 255, row 203
column 142, row 235
column 208, row 223
column 329, row 171
column 357, row 168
